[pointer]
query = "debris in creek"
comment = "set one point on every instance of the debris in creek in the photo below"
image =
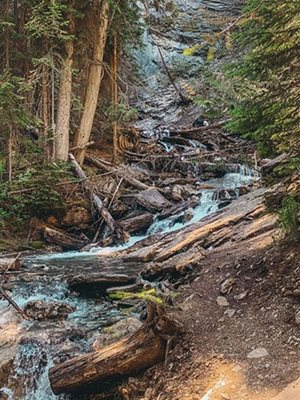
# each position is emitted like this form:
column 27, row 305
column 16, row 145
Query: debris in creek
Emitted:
column 42, row 310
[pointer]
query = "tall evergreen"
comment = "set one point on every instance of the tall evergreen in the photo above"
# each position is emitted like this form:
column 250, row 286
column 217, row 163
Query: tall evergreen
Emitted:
column 269, row 76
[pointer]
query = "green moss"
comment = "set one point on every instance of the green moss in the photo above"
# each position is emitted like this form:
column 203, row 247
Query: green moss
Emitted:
column 148, row 295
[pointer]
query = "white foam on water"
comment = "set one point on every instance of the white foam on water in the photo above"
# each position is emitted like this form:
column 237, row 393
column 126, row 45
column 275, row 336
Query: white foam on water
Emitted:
column 43, row 389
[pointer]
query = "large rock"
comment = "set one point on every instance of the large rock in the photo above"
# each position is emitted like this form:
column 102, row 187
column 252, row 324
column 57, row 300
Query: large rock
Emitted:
column 152, row 200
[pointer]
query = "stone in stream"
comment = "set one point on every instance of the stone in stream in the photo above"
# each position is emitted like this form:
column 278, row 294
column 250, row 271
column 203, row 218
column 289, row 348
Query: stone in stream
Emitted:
column 42, row 310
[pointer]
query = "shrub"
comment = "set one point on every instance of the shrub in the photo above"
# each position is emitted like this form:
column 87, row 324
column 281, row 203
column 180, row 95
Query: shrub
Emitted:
column 289, row 216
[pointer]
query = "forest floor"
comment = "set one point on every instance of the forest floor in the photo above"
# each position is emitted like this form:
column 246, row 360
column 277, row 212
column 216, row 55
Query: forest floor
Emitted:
column 215, row 360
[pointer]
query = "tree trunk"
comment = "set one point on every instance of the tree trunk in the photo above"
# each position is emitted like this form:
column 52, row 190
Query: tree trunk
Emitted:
column 94, row 81
column 45, row 107
column 129, row 356
column 64, row 107
column 115, row 96
column 10, row 153
column 6, row 44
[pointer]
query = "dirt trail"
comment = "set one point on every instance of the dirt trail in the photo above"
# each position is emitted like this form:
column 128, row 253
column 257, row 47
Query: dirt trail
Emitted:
column 250, row 280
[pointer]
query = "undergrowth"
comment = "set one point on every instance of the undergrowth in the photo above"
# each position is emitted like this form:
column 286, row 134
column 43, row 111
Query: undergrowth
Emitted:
column 289, row 216
column 34, row 192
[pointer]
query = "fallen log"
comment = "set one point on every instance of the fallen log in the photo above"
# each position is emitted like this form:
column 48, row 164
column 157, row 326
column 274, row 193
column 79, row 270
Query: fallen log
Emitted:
column 178, row 208
column 197, row 129
column 200, row 129
column 270, row 165
column 10, row 264
column 116, row 171
column 105, row 214
column 58, row 237
column 12, row 303
column 137, row 223
column 97, row 283
column 127, row 357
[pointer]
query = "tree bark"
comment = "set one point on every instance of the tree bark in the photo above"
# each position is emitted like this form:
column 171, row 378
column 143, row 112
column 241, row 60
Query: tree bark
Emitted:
column 140, row 351
column 64, row 106
column 115, row 96
column 59, row 237
column 6, row 42
column 93, row 87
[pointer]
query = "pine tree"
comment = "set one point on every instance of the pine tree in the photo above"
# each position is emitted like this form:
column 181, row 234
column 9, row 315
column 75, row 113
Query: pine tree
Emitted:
column 269, row 76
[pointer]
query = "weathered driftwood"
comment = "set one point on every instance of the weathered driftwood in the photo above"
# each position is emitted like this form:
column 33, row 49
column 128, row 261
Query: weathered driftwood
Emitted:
column 58, row 237
column 178, row 208
column 12, row 303
column 134, row 354
column 105, row 214
column 136, row 287
column 167, row 246
column 118, row 172
column 136, row 223
column 272, row 164
column 152, row 200
column 97, row 283
column 183, row 131
column 10, row 264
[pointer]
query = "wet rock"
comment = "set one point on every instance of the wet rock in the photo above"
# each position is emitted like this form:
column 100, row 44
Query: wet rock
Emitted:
column 224, row 204
column 188, row 215
column 260, row 352
column 244, row 190
column 222, row 301
column 177, row 192
column 42, row 310
column 227, row 194
column 127, row 289
column 152, row 200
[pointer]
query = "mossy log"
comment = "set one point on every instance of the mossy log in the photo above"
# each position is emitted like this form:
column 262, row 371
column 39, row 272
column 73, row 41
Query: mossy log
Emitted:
column 127, row 357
